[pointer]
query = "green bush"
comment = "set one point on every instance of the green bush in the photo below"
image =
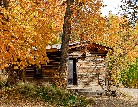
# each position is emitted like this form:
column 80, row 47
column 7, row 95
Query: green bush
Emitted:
column 27, row 89
column 129, row 77
column 46, row 92
column 53, row 95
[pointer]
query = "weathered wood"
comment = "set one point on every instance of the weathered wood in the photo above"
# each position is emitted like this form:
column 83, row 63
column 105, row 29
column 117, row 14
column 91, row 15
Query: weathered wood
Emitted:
column 53, row 65
column 52, row 50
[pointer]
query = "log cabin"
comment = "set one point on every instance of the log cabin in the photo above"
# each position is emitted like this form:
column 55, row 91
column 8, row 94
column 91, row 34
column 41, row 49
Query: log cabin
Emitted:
column 86, row 60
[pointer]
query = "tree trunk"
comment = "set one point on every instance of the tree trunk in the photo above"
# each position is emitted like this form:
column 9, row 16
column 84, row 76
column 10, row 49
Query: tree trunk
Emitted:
column 4, row 3
column 65, row 44
column 12, row 76
column 21, row 75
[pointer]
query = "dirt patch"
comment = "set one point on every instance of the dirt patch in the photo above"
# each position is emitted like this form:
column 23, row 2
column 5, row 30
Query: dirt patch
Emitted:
column 114, row 102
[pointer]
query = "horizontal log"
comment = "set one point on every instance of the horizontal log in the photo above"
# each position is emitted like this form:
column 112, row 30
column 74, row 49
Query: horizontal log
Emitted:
column 52, row 50
column 55, row 59
column 53, row 63
column 51, row 67
column 54, row 53
column 29, row 69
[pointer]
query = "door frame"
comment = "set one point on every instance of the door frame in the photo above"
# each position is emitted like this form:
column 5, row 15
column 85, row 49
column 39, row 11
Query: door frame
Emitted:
column 74, row 70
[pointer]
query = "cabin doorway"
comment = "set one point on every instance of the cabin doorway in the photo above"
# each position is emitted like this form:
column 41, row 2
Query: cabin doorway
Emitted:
column 72, row 72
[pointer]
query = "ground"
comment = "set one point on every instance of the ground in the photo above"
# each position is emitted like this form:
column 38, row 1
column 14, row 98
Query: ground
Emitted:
column 128, row 98
column 16, row 100
column 13, row 101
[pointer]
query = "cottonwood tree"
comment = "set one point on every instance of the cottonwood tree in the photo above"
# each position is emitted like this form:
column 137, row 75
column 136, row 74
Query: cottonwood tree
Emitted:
column 122, row 38
column 30, row 27
column 82, row 20
column 86, row 23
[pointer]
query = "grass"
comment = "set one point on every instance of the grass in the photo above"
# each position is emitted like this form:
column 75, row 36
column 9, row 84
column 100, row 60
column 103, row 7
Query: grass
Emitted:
column 53, row 95
column 30, row 94
column 44, row 93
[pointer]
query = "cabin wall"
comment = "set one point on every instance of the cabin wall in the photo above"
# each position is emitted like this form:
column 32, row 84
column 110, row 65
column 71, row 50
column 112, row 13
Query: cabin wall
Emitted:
column 48, row 71
column 91, row 70
column 89, row 66
column 88, row 69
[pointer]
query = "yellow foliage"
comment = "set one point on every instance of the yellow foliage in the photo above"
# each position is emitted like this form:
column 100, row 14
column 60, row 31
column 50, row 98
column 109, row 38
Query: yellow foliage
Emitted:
column 29, row 29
